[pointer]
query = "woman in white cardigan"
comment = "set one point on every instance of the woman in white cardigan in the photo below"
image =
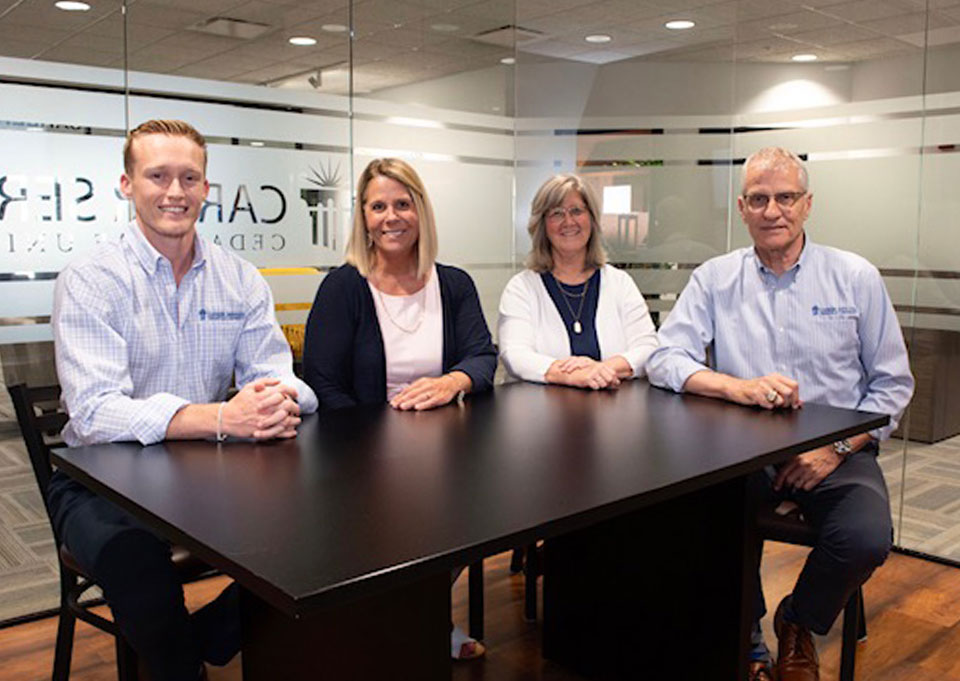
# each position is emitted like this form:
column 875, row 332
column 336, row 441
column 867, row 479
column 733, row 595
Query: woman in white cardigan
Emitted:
column 570, row 318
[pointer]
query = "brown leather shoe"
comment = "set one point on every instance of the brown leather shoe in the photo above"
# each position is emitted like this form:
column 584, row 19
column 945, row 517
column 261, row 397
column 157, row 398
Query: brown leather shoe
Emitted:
column 797, row 659
column 760, row 671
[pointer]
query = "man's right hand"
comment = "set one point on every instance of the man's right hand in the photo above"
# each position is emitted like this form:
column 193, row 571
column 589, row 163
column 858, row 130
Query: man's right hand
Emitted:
column 772, row 391
column 263, row 409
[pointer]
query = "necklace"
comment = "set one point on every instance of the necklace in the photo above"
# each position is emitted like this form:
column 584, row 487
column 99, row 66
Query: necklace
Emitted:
column 577, row 327
column 420, row 318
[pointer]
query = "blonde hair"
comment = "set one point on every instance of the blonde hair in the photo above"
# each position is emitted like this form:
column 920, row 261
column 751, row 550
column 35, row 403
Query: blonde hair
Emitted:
column 162, row 127
column 361, row 252
column 775, row 157
column 551, row 195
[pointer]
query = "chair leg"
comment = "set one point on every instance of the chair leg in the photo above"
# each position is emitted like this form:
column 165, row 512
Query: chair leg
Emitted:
column 63, row 652
column 516, row 562
column 126, row 661
column 862, row 629
column 530, row 571
column 475, row 576
column 64, row 648
column 848, row 642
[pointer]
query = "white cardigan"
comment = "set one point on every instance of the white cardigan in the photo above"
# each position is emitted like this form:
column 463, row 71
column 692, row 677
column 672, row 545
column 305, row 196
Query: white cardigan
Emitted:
column 531, row 333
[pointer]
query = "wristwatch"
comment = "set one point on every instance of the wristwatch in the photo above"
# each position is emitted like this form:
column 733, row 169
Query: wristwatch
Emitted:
column 842, row 448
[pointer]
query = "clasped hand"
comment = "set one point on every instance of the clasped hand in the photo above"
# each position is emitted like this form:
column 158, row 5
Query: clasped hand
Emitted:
column 262, row 409
column 584, row 372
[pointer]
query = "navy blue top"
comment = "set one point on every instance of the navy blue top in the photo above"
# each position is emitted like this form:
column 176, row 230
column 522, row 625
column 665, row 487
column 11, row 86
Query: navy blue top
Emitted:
column 567, row 299
column 343, row 356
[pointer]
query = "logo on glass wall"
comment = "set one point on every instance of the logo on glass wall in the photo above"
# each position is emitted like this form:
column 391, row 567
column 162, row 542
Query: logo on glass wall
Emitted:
column 322, row 199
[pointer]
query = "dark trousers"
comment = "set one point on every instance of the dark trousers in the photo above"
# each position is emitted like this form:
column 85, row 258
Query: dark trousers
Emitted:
column 132, row 566
column 851, row 510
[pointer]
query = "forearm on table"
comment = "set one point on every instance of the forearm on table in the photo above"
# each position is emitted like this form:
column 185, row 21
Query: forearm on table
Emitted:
column 710, row 384
column 194, row 421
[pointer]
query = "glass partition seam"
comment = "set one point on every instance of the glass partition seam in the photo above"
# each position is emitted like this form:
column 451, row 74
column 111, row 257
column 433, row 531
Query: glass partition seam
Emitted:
column 898, row 536
column 126, row 69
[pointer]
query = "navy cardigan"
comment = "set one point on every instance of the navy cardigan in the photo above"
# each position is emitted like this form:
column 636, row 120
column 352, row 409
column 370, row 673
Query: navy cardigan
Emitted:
column 343, row 356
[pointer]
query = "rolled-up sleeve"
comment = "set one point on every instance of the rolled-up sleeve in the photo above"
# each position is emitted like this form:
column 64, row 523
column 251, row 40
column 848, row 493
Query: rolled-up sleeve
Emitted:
column 888, row 381
column 684, row 338
column 92, row 365
column 262, row 350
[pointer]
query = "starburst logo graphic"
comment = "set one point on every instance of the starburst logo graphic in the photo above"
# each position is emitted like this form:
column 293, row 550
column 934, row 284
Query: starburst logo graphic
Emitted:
column 321, row 200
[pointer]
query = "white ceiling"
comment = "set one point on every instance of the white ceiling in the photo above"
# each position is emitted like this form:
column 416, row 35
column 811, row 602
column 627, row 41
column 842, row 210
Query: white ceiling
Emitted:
column 403, row 41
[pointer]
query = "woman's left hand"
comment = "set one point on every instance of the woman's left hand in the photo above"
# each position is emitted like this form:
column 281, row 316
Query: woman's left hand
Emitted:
column 427, row 393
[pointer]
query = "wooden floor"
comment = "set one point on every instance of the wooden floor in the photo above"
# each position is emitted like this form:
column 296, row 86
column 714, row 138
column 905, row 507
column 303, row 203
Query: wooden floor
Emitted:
column 913, row 619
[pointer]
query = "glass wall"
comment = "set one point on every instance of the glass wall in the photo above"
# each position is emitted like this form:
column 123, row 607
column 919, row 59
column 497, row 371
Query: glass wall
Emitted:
column 487, row 98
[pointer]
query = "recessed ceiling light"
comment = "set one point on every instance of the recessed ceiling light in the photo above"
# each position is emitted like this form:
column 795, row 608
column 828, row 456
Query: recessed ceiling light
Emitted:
column 598, row 38
column 804, row 57
column 445, row 28
column 303, row 40
column 334, row 28
column 72, row 6
column 679, row 24
column 508, row 60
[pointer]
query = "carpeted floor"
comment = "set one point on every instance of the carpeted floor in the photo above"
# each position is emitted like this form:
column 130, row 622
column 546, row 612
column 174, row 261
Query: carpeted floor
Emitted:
column 28, row 577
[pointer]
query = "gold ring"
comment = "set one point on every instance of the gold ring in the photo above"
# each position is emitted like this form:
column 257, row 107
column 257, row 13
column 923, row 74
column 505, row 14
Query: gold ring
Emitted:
column 772, row 396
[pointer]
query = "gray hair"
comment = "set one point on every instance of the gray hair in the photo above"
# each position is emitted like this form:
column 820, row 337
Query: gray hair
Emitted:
column 775, row 157
column 550, row 196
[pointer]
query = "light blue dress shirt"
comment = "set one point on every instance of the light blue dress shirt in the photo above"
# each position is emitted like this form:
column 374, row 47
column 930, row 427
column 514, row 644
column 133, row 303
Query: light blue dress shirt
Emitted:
column 827, row 323
column 133, row 348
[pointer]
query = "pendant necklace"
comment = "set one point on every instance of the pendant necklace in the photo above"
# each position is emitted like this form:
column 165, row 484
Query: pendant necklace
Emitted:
column 577, row 327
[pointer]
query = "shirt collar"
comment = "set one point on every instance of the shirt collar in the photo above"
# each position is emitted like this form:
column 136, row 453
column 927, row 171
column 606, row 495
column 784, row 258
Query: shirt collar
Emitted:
column 149, row 257
column 763, row 269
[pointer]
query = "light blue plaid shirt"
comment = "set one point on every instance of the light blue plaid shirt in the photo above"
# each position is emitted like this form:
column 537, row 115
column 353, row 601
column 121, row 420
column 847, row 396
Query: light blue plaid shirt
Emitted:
column 827, row 322
column 133, row 348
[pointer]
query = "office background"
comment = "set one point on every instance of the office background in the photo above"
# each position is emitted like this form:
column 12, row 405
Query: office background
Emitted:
column 487, row 98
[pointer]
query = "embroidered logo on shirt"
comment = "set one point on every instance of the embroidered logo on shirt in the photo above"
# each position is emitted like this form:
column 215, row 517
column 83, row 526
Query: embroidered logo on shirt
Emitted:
column 836, row 312
column 219, row 316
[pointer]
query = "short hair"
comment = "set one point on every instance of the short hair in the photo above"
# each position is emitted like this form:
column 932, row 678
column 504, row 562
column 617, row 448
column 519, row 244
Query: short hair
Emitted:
column 775, row 157
column 361, row 251
column 162, row 127
column 551, row 195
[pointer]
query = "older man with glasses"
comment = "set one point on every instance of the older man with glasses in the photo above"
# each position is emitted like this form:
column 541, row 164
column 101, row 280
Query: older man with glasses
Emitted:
column 789, row 321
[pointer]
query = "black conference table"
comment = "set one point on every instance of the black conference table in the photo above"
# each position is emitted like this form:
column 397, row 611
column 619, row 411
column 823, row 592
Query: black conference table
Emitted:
column 343, row 540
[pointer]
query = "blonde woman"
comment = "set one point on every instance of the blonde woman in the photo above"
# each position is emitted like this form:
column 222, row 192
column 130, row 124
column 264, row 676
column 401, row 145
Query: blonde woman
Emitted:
column 392, row 324
column 570, row 318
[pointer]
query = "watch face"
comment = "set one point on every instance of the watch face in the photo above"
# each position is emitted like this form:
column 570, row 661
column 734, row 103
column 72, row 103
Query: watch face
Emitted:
column 842, row 446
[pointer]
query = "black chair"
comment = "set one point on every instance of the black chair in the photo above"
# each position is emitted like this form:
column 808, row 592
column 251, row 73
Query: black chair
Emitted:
column 40, row 417
column 791, row 528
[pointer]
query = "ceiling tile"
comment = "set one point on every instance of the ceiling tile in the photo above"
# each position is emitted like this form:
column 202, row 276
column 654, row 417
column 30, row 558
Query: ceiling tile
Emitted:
column 833, row 36
column 861, row 11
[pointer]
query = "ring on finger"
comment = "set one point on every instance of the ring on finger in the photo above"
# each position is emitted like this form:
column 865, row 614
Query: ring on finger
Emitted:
column 772, row 396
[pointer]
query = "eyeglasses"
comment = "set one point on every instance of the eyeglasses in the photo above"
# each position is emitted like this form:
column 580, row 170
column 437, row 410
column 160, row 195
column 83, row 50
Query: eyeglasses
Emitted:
column 558, row 213
column 758, row 202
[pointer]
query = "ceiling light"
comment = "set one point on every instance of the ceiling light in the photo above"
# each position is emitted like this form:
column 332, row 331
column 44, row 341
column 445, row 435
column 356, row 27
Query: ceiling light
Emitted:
column 508, row 60
column 334, row 28
column 679, row 24
column 256, row 144
column 445, row 28
column 303, row 40
column 72, row 6
column 804, row 57
column 598, row 38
